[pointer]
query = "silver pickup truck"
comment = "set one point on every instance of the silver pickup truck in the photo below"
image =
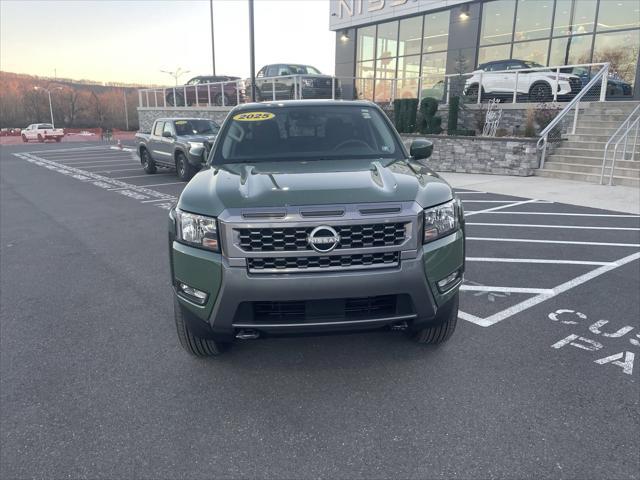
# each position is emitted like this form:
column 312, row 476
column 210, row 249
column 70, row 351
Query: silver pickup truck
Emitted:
column 180, row 143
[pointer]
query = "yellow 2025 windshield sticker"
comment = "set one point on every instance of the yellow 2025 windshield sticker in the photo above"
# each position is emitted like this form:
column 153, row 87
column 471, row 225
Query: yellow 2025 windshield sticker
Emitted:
column 253, row 116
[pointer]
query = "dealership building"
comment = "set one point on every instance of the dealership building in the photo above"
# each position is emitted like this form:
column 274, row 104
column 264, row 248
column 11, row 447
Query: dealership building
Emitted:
column 385, row 42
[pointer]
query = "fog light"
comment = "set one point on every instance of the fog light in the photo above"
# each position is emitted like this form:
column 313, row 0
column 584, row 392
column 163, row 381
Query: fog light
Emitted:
column 193, row 294
column 447, row 282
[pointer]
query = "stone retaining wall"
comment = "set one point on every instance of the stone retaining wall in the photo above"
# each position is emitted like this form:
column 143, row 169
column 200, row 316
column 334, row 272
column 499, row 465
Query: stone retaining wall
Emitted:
column 495, row 156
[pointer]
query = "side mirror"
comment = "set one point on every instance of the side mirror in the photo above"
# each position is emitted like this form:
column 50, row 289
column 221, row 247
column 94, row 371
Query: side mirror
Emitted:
column 421, row 148
column 167, row 134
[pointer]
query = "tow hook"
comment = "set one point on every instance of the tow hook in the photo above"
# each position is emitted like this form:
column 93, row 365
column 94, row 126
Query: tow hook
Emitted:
column 247, row 335
column 399, row 326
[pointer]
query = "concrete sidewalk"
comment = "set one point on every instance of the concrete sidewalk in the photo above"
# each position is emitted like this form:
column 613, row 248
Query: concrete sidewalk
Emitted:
column 618, row 198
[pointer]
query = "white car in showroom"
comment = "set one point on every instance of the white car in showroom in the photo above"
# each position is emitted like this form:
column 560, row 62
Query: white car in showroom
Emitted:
column 499, row 79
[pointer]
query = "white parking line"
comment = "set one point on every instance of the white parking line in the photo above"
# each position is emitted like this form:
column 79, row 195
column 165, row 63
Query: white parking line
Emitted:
column 532, row 302
column 466, row 192
column 534, row 260
column 163, row 184
column 119, row 170
column 77, row 163
column 563, row 242
column 161, row 200
column 514, row 204
column 527, row 225
column 554, row 213
column 100, row 165
column 145, row 175
column 487, row 288
column 495, row 201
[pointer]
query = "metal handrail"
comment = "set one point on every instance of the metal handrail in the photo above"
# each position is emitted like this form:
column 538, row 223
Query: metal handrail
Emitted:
column 625, row 137
column 575, row 102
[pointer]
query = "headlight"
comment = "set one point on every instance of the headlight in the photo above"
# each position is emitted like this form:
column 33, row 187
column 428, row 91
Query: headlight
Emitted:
column 307, row 82
column 196, row 144
column 197, row 230
column 440, row 221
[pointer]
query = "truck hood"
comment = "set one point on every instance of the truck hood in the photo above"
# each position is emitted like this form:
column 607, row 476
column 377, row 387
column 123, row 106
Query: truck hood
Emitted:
column 321, row 182
column 198, row 138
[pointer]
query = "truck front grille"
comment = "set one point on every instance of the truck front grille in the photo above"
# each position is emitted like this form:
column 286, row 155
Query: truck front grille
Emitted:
column 295, row 238
column 324, row 263
column 314, row 310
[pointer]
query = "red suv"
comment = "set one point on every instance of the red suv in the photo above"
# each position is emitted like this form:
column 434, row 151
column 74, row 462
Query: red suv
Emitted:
column 218, row 90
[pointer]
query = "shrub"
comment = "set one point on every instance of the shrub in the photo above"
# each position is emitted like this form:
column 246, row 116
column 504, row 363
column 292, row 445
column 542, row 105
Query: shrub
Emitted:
column 405, row 111
column 452, row 119
column 530, row 126
column 429, row 121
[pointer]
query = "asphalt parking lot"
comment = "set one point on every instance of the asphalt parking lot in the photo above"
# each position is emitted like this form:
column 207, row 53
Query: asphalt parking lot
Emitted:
column 540, row 380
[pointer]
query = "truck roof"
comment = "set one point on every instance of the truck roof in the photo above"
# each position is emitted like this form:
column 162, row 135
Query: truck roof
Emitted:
column 303, row 103
column 172, row 119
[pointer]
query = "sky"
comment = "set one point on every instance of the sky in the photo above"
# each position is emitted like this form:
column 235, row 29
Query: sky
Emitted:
column 130, row 41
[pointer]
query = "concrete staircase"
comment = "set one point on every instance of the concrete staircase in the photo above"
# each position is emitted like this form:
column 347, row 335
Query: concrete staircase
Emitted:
column 579, row 156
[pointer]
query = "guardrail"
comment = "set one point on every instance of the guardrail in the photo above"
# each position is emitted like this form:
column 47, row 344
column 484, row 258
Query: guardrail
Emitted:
column 626, row 127
column 554, row 129
column 385, row 90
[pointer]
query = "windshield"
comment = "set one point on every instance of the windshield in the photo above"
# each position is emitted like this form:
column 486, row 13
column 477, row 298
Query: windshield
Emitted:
column 307, row 133
column 302, row 69
column 195, row 127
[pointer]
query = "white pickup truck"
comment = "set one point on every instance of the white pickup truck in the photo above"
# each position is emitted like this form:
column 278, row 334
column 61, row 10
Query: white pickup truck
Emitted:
column 42, row 132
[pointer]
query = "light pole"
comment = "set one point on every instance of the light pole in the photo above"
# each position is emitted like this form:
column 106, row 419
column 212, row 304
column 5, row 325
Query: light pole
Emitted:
column 50, row 104
column 252, row 59
column 213, row 48
column 176, row 74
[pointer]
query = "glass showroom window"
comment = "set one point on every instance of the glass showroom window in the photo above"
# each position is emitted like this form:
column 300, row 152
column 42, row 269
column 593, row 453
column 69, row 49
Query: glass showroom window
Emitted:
column 533, row 20
column 535, row 51
column 410, row 40
column 572, row 50
column 574, row 17
column 618, row 15
column 366, row 40
column 434, row 67
column 436, row 32
column 387, row 40
column 621, row 50
column 497, row 22
column 408, row 74
column 489, row 54
column 364, row 80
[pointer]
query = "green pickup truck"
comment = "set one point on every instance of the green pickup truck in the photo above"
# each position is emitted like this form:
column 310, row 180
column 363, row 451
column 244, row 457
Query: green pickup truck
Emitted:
column 311, row 217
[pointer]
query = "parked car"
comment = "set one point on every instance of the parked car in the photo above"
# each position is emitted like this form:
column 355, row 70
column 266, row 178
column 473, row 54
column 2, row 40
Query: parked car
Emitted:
column 217, row 90
column 314, row 219
column 41, row 132
column 616, row 86
column 182, row 143
column 538, row 85
column 312, row 83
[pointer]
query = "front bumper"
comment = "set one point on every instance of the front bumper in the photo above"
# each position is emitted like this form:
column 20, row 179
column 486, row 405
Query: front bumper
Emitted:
column 232, row 288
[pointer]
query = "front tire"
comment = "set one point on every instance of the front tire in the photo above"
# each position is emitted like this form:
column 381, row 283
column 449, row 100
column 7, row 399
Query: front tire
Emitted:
column 183, row 167
column 25, row 139
column 196, row 346
column 540, row 92
column 218, row 100
column 442, row 332
column 147, row 162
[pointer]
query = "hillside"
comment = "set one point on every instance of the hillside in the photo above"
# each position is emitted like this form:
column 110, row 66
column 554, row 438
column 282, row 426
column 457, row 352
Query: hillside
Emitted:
column 76, row 103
